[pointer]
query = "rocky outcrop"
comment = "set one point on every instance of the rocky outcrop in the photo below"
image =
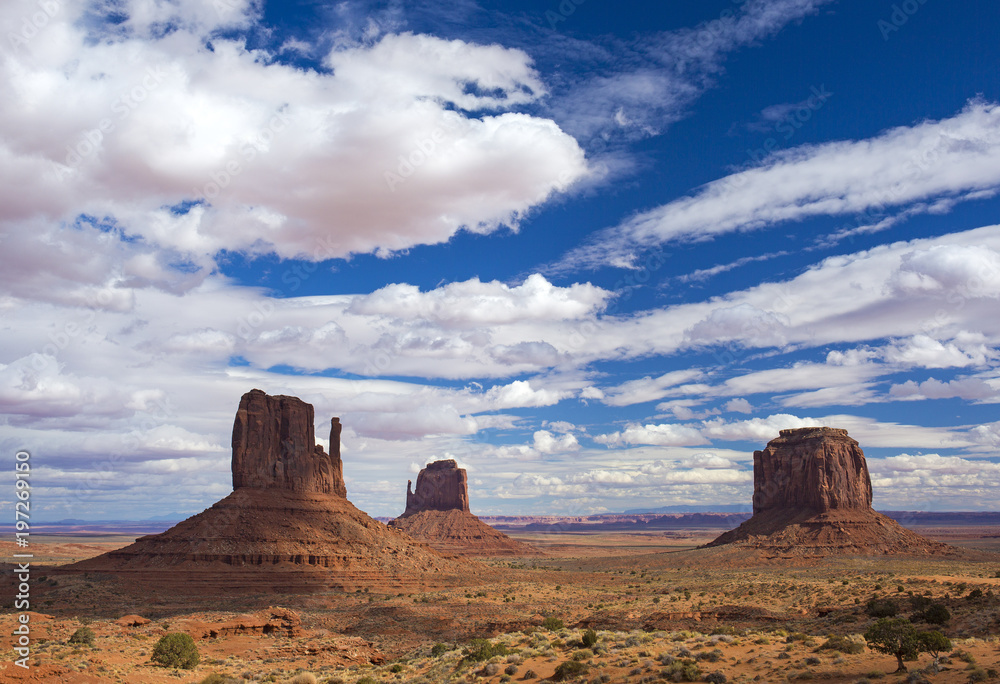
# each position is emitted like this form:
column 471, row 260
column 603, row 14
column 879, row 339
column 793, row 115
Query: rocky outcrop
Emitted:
column 441, row 486
column 438, row 513
column 817, row 469
column 812, row 497
column 274, row 447
column 287, row 526
column 273, row 622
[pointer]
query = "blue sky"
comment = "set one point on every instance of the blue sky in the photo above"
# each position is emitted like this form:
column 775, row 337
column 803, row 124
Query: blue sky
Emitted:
column 596, row 254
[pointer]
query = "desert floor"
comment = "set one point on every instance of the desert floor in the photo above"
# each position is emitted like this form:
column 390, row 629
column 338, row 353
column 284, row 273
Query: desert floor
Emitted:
column 660, row 611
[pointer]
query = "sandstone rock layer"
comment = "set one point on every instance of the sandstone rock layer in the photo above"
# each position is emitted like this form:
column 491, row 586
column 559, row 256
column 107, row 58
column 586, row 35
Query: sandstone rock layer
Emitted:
column 274, row 447
column 438, row 513
column 460, row 533
column 441, row 486
column 287, row 526
column 819, row 469
column 812, row 497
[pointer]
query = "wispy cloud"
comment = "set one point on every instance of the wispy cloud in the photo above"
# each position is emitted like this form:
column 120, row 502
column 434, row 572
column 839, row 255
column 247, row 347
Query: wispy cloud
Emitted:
column 645, row 86
column 922, row 168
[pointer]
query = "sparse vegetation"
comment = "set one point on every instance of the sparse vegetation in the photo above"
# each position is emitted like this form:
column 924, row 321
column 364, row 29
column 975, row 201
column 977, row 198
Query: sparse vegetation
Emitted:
column 176, row 650
column 553, row 624
column 84, row 636
column 568, row 669
column 479, row 650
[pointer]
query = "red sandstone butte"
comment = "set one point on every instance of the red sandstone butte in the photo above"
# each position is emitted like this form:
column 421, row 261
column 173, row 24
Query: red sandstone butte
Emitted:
column 437, row 513
column 441, row 486
column 287, row 524
column 813, row 497
column 274, row 447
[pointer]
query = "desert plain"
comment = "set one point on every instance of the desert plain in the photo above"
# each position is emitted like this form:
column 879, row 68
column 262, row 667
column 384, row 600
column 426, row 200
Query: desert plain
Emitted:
column 657, row 606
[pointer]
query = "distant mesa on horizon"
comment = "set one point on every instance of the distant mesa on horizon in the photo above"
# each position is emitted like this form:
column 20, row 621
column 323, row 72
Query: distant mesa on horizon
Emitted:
column 813, row 497
column 437, row 513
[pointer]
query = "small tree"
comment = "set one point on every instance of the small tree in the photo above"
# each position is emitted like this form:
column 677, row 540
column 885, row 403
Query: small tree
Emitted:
column 936, row 614
column 552, row 623
column 894, row 636
column 176, row 650
column 589, row 638
column 882, row 608
column 935, row 643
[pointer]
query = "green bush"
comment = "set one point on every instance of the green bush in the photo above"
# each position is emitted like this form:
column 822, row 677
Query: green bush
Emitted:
column 842, row 644
column 571, row 668
column 882, row 608
column 682, row 671
column 589, row 638
column 84, row 635
column 176, row 650
column 552, row 623
column 483, row 649
column 216, row 678
column 439, row 649
column 368, row 680
column 935, row 614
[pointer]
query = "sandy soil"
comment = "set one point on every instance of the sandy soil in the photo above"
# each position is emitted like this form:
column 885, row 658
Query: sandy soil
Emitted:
column 657, row 607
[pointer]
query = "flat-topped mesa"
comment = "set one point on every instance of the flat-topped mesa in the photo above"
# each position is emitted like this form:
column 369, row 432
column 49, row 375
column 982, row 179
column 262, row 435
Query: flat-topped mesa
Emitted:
column 441, row 486
column 816, row 468
column 274, row 447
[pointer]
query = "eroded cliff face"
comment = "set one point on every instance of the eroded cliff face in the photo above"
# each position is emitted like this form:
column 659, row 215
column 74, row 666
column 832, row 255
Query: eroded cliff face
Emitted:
column 813, row 497
column 441, row 486
column 811, row 469
column 287, row 526
column 274, row 447
column 438, row 513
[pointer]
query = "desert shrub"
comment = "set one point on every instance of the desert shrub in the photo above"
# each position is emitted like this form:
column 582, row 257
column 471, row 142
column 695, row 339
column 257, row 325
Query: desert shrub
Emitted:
column 842, row 644
column 303, row 678
column 368, row 680
column 530, row 674
column 935, row 614
column 975, row 595
column 716, row 678
column 491, row 669
column 568, row 669
column 682, row 671
column 510, row 670
column 713, row 656
column 552, row 623
column 976, row 674
column 216, row 678
column 84, row 635
column 176, row 650
column 483, row 649
column 439, row 649
column 396, row 667
column 589, row 638
column 882, row 608
column 813, row 660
